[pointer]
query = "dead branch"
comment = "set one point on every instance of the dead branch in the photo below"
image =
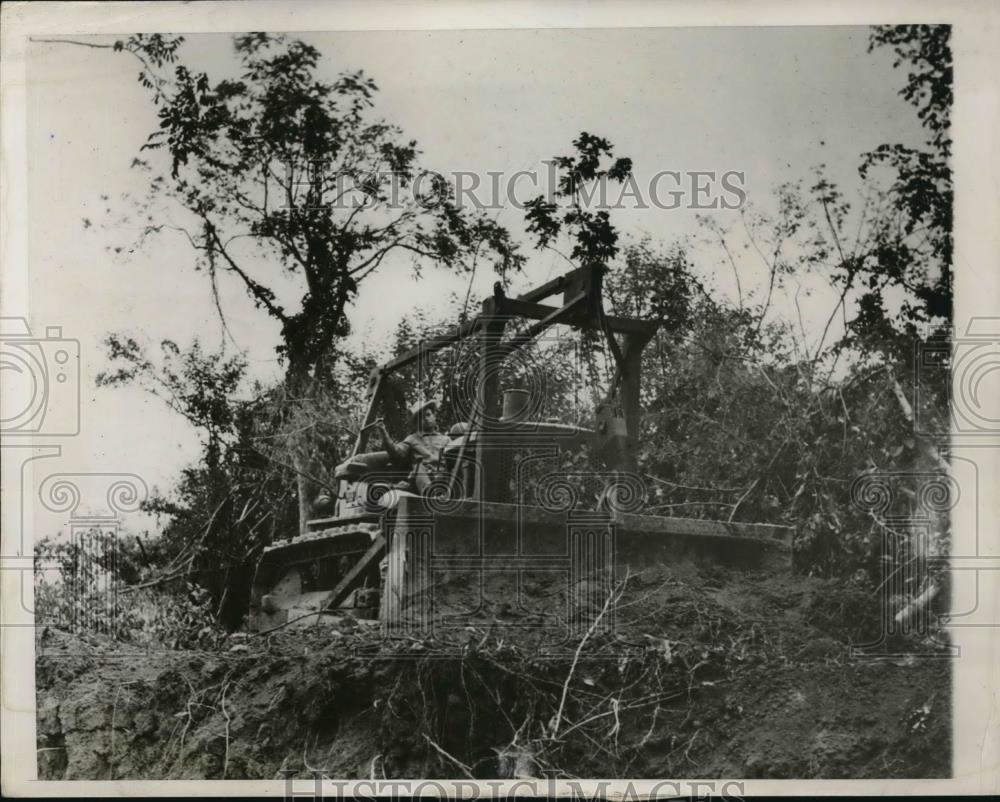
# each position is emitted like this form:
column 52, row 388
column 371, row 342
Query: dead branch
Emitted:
column 741, row 499
column 222, row 702
column 576, row 657
column 465, row 769
column 692, row 487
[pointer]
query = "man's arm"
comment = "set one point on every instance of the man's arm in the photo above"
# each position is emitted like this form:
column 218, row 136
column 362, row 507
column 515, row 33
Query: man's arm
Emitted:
column 399, row 452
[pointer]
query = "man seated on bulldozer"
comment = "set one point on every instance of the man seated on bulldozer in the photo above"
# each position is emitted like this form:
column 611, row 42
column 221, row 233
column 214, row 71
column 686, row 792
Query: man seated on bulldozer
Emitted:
column 422, row 450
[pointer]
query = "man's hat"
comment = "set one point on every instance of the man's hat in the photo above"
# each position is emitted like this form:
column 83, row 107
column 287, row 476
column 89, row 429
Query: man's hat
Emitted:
column 420, row 406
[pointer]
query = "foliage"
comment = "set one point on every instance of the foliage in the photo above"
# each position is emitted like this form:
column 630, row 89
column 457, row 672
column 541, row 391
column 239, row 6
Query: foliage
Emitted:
column 300, row 168
column 915, row 249
column 239, row 496
column 198, row 385
column 739, row 425
column 180, row 618
column 293, row 187
column 93, row 586
column 75, row 581
column 749, row 421
column 583, row 175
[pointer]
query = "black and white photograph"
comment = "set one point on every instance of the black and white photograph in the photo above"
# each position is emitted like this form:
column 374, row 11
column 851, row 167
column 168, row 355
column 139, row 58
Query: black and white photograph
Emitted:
column 403, row 403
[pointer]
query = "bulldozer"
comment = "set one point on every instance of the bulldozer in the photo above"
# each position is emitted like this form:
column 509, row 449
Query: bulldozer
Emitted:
column 514, row 529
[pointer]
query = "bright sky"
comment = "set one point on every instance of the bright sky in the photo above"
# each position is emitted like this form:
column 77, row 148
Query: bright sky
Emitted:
column 772, row 102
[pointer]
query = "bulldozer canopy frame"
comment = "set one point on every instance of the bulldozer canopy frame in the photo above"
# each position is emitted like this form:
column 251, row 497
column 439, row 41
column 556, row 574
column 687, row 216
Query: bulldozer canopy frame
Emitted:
column 582, row 307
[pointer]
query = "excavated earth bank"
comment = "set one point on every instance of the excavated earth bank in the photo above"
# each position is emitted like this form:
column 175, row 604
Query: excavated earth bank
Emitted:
column 712, row 673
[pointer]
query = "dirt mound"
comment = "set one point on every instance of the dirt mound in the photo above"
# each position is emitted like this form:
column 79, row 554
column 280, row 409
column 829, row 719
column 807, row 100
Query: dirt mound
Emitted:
column 710, row 674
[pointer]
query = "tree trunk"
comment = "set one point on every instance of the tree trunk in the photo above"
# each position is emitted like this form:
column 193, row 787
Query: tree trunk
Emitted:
column 928, row 448
column 298, row 385
column 303, row 492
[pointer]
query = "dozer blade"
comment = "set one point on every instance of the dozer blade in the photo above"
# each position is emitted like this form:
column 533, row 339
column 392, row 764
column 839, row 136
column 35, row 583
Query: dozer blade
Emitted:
column 543, row 572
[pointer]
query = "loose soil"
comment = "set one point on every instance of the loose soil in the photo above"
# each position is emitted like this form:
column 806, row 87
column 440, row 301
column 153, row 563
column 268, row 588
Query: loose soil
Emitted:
column 709, row 673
